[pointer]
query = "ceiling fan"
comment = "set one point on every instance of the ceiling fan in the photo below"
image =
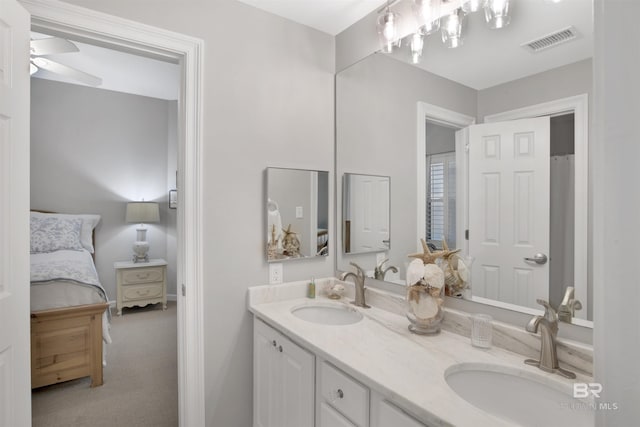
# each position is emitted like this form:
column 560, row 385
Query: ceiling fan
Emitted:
column 55, row 45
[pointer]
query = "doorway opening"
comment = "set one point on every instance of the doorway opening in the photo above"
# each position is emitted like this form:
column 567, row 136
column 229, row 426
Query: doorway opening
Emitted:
column 94, row 150
column 97, row 28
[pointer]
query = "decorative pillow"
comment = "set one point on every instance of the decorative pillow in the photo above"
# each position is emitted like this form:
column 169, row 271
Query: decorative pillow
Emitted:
column 89, row 222
column 54, row 234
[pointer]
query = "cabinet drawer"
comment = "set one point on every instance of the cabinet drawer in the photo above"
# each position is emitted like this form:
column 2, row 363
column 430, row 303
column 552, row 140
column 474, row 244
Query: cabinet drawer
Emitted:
column 142, row 275
column 139, row 292
column 329, row 417
column 390, row 415
column 345, row 394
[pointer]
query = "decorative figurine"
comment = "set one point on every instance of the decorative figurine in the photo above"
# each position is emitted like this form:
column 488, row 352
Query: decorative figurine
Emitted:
column 290, row 243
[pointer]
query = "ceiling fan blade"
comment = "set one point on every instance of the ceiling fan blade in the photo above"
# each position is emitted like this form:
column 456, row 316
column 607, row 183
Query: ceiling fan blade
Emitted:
column 56, row 67
column 52, row 45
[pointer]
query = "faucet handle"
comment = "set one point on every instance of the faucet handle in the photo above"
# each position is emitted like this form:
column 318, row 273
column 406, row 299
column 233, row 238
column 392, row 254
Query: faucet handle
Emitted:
column 549, row 312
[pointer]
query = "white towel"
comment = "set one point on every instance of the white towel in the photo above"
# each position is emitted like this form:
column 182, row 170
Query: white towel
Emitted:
column 274, row 219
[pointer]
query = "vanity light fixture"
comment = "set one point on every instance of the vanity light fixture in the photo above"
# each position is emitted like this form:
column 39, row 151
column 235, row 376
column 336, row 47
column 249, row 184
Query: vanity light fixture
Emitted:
column 429, row 18
column 388, row 26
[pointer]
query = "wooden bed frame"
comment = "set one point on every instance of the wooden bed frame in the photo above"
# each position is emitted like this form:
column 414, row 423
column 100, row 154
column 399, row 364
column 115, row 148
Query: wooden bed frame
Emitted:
column 66, row 343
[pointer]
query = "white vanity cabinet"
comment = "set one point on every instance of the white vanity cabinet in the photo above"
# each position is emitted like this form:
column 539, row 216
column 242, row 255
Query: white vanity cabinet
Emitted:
column 293, row 388
column 283, row 380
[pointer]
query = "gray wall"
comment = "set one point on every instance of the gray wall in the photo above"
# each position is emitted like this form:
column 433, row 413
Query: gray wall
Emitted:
column 267, row 101
column 440, row 139
column 616, row 150
column 561, row 82
column 376, row 134
column 93, row 150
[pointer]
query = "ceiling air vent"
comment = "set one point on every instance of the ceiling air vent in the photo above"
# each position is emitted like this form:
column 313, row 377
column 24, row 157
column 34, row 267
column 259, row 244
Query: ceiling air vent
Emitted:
column 551, row 40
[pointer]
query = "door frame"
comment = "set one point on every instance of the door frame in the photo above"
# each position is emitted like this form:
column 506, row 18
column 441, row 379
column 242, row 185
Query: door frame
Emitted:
column 579, row 106
column 99, row 28
column 439, row 115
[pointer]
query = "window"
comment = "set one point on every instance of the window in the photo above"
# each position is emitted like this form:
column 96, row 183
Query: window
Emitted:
column 441, row 199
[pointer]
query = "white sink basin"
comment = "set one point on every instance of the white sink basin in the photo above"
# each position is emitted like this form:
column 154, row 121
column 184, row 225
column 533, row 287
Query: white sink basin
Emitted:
column 519, row 396
column 327, row 314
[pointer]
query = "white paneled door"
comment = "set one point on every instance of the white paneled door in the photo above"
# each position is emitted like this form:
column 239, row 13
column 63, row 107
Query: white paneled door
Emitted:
column 509, row 210
column 370, row 213
column 15, row 376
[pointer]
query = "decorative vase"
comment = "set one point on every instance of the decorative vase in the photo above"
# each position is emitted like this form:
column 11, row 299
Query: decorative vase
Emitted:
column 425, row 301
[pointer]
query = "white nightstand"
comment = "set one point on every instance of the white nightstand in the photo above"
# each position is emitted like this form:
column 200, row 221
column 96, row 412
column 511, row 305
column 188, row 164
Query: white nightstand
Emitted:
column 141, row 283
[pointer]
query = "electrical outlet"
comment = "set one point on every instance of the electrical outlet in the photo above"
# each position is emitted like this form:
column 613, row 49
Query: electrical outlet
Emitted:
column 380, row 256
column 275, row 273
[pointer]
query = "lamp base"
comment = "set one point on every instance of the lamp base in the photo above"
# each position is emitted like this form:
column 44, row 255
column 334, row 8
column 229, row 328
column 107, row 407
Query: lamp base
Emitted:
column 140, row 251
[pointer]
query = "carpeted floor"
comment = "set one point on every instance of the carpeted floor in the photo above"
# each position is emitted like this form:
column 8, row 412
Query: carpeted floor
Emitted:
column 140, row 380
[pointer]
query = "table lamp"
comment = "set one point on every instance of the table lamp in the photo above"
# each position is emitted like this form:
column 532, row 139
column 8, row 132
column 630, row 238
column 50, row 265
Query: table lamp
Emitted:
column 142, row 212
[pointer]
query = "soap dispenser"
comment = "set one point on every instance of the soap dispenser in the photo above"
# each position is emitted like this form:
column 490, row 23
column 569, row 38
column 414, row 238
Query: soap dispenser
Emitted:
column 311, row 290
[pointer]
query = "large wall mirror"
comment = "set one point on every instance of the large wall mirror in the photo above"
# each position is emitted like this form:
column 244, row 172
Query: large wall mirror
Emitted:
column 297, row 212
column 486, row 146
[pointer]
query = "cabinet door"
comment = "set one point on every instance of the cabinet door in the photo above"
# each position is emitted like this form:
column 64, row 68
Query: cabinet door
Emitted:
column 385, row 414
column 265, row 376
column 297, row 382
column 283, row 380
column 329, row 417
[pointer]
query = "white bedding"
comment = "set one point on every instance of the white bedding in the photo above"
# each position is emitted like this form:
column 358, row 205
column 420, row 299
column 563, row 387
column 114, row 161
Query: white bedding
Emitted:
column 64, row 279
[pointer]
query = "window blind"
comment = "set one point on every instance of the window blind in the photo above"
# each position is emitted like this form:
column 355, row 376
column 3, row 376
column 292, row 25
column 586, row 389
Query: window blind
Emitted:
column 441, row 199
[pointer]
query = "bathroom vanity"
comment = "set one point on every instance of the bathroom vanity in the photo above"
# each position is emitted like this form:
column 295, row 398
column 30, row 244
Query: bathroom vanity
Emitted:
column 319, row 362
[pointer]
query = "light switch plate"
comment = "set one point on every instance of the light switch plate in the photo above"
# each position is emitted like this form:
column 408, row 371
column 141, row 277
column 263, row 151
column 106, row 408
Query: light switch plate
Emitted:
column 275, row 273
column 380, row 256
column 299, row 212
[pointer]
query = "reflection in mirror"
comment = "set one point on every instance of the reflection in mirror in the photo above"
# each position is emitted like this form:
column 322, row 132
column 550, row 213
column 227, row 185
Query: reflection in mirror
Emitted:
column 491, row 78
column 297, row 211
column 365, row 213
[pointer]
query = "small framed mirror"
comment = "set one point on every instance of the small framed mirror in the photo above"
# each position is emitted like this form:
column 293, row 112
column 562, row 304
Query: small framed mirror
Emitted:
column 365, row 213
column 297, row 212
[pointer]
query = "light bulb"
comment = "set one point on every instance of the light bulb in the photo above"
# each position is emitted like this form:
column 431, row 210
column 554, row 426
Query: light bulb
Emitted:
column 389, row 30
column 471, row 6
column 452, row 29
column 416, row 46
column 427, row 13
column 388, row 24
column 496, row 13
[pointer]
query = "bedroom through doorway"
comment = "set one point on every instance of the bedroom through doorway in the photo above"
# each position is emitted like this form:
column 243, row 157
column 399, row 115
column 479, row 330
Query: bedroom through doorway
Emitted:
column 95, row 149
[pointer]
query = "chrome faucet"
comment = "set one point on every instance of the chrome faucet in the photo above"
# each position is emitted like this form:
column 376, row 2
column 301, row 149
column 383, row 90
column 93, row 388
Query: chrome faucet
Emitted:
column 379, row 273
column 358, row 280
column 568, row 306
column 548, row 325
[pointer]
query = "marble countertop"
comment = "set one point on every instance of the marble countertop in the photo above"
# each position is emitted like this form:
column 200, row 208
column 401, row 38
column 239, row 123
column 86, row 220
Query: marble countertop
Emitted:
column 380, row 352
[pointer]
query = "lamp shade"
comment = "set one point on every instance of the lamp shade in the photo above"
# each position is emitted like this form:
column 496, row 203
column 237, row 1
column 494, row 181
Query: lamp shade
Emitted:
column 142, row 212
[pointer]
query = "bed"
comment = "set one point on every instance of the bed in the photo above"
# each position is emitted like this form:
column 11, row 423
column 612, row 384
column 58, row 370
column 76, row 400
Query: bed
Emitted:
column 322, row 242
column 69, row 316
